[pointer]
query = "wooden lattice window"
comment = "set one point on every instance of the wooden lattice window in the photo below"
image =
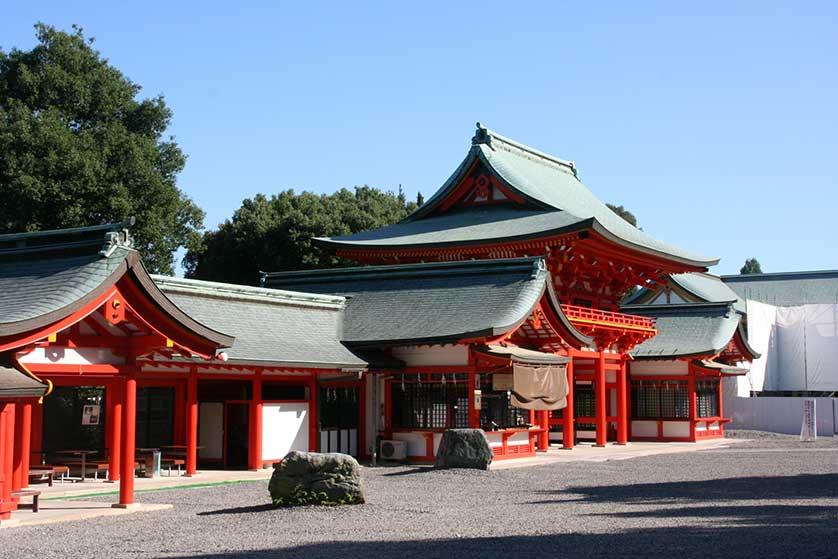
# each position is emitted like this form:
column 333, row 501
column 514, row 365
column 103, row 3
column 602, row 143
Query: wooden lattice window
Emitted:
column 707, row 398
column 438, row 402
column 667, row 399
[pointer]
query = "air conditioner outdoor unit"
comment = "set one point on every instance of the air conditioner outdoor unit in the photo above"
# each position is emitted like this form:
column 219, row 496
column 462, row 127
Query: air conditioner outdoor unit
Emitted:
column 393, row 450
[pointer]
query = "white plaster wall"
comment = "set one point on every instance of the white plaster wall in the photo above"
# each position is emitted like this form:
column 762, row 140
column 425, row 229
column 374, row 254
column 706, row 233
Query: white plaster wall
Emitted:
column 211, row 430
column 676, row 429
column 644, row 428
column 416, row 443
column 284, row 428
column 73, row 356
column 780, row 414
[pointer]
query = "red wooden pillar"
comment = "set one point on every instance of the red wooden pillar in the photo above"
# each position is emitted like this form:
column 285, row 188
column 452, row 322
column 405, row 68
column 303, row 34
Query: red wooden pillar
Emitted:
column 192, row 423
column 114, row 417
column 21, row 432
column 693, row 406
column 720, row 395
column 312, row 413
column 544, row 435
column 9, row 451
column 568, row 419
column 6, row 441
column 255, row 445
column 129, row 433
column 599, row 386
column 622, row 402
column 473, row 412
column 37, row 447
column 25, row 442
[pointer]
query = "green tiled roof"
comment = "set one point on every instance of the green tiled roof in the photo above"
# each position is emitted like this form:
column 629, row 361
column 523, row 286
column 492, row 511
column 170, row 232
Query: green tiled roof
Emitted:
column 279, row 328
column 686, row 330
column 431, row 303
column 15, row 384
column 787, row 289
column 46, row 276
column 705, row 287
column 558, row 201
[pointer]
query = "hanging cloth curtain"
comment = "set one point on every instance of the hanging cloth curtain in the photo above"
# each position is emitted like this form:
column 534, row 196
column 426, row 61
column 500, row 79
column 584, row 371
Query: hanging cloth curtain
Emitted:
column 539, row 388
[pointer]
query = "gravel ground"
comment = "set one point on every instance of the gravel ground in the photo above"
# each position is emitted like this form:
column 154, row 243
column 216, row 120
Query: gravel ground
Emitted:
column 769, row 497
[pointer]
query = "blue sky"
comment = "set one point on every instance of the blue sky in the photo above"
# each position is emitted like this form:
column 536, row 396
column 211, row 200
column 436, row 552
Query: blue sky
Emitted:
column 715, row 123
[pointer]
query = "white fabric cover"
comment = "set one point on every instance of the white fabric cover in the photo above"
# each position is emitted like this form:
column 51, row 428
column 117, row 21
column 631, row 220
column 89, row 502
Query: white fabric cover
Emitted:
column 799, row 347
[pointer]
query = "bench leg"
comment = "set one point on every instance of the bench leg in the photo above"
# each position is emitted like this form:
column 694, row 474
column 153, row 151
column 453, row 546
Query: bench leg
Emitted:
column 49, row 480
column 34, row 503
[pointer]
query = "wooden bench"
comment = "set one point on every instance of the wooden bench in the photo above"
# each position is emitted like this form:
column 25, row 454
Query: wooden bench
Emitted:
column 50, row 471
column 34, row 493
column 92, row 466
column 41, row 472
column 169, row 463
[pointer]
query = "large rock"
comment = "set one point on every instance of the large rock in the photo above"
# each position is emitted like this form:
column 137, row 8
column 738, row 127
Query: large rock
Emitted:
column 310, row 478
column 464, row 448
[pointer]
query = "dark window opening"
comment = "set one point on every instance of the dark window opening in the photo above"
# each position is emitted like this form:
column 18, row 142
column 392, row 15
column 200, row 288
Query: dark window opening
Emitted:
column 707, row 398
column 432, row 404
column 668, row 399
column 63, row 416
column 224, row 391
column 584, row 405
column 276, row 391
column 155, row 417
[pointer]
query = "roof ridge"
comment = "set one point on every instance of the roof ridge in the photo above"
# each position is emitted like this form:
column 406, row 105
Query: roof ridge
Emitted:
column 462, row 267
column 188, row 286
column 34, row 242
column 675, row 306
column 486, row 136
column 746, row 277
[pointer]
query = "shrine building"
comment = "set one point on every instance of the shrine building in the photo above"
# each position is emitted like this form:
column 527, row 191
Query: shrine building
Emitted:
column 508, row 203
column 499, row 304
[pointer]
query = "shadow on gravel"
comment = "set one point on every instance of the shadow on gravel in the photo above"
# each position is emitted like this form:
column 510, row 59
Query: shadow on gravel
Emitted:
column 238, row 510
column 806, row 486
column 683, row 543
column 410, row 472
column 754, row 515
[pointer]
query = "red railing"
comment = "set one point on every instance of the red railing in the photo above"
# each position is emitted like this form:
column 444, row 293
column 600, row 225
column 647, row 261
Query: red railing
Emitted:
column 606, row 318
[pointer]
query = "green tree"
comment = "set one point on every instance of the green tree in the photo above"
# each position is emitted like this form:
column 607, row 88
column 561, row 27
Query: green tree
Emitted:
column 275, row 234
column 624, row 213
column 78, row 148
column 751, row 267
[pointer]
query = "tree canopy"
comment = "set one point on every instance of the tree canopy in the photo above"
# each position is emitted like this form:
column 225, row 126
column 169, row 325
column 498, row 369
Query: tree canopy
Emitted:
column 624, row 213
column 751, row 267
column 275, row 234
column 77, row 148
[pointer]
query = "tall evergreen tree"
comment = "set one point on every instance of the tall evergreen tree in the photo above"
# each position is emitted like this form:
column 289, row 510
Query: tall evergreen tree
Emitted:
column 751, row 267
column 274, row 234
column 78, row 148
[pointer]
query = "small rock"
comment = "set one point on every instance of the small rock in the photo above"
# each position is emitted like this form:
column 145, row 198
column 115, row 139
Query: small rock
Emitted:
column 464, row 448
column 311, row 478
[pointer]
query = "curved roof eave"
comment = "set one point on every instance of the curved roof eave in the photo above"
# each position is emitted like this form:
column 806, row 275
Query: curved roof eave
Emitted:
column 131, row 263
column 44, row 320
column 153, row 291
column 581, row 225
column 608, row 234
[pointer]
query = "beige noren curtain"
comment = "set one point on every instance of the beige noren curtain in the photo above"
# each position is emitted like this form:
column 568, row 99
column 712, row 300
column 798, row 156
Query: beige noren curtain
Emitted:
column 539, row 387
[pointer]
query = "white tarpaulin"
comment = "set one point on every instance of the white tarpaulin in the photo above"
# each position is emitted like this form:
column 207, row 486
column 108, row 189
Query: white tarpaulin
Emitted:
column 799, row 347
